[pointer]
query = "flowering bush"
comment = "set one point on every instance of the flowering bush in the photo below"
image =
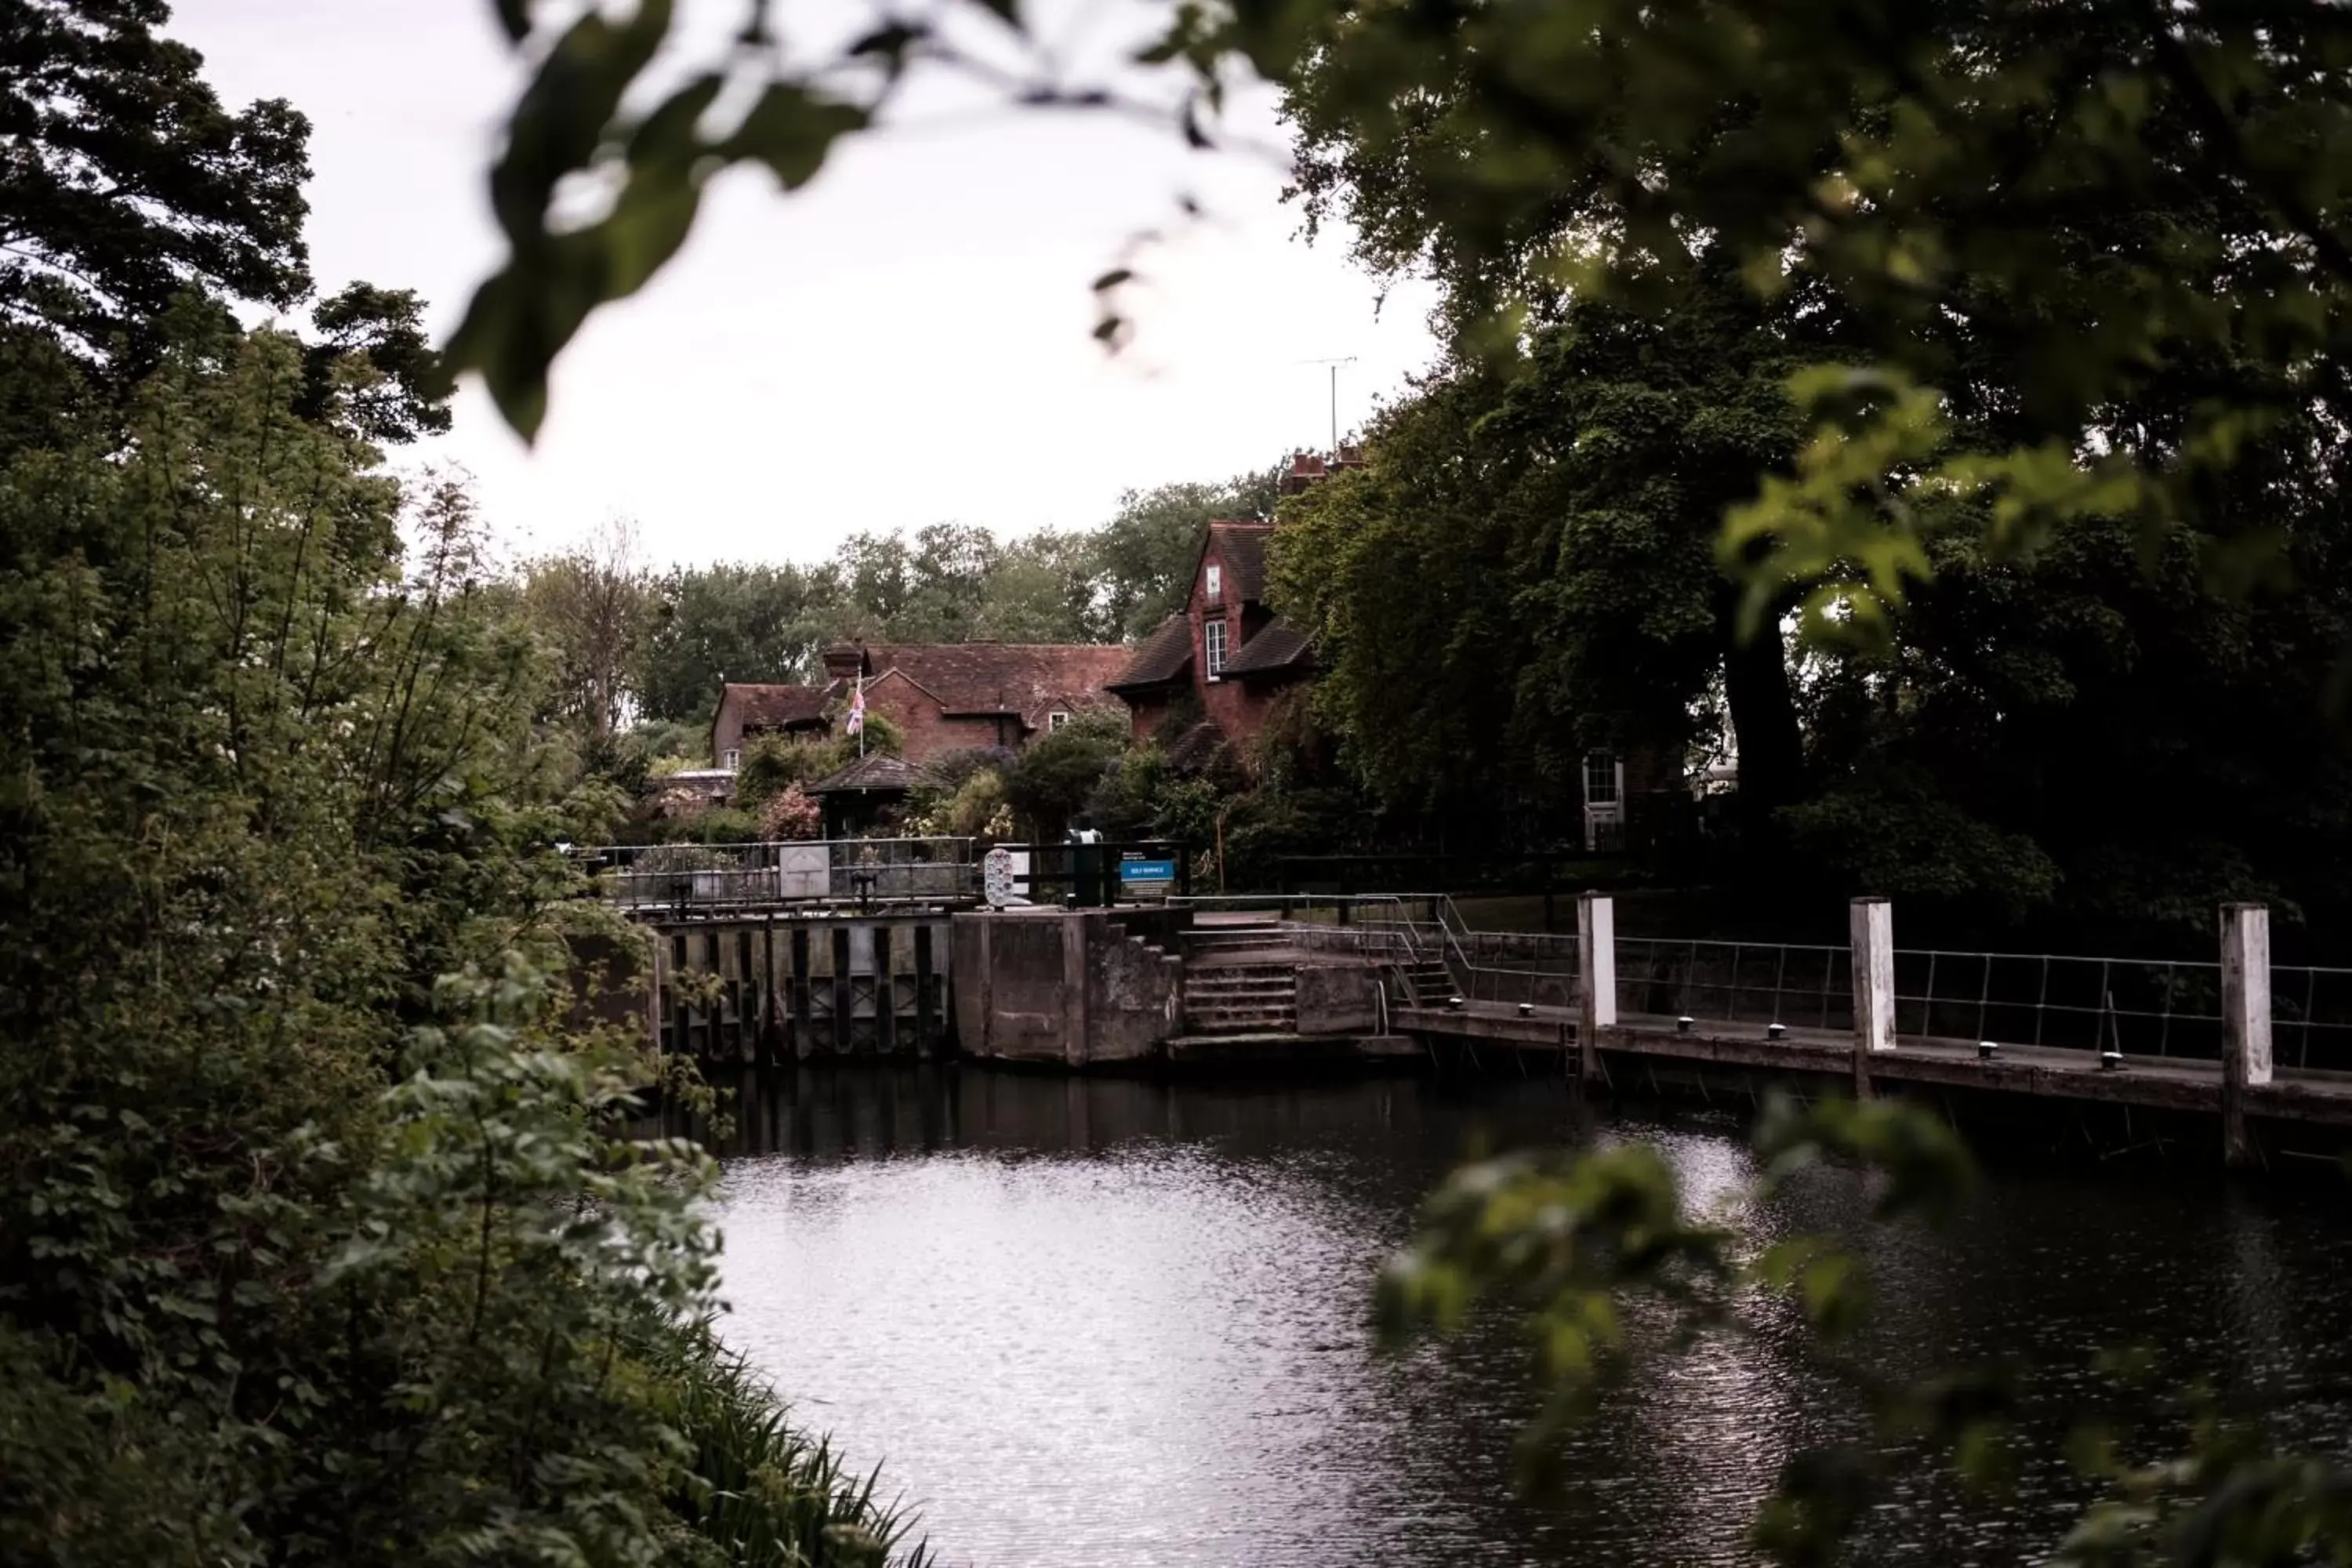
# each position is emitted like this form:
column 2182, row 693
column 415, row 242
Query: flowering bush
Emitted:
column 790, row 813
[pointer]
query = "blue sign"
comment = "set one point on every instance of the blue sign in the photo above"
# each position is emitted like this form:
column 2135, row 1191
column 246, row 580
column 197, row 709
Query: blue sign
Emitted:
column 1147, row 871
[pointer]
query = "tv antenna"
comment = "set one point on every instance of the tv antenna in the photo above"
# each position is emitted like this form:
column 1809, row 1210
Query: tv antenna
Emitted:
column 1334, row 365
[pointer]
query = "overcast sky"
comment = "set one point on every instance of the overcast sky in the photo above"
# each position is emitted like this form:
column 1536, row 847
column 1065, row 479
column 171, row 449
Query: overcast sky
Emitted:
column 904, row 342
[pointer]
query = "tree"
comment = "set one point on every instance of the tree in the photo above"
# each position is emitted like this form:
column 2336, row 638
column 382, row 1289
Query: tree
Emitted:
column 2092, row 198
column 373, row 366
column 127, row 183
column 732, row 622
column 131, row 191
column 1056, row 775
column 299, row 1136
column 1560, row 506
column 1042, row 587
column 592, row 607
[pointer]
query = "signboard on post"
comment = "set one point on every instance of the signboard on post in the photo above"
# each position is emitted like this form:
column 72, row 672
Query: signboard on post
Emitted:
column 1141, row 879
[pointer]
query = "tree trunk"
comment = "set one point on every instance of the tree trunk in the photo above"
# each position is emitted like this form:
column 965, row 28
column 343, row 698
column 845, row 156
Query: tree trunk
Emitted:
column 1763, row 718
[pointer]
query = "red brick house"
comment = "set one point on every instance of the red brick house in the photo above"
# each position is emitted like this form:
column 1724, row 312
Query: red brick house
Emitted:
column 1230, row 652
column 943, row 697
column 1225, row 648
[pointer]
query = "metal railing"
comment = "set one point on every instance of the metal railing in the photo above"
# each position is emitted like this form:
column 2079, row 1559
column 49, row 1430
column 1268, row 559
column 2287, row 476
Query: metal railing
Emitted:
column 1800, row 984
column 2156, row 1008
column 2311, row 1016
column 677, row 876
column 1528, row 968
column 1422, row 929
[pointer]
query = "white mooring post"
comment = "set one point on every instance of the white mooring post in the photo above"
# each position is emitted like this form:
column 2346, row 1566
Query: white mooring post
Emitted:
column 1596, row 968
column 1873, row 930
column 2245, row 1020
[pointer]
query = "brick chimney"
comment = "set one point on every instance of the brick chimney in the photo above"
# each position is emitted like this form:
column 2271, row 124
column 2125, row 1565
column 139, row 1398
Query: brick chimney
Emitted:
column 844, row 661
column 1305, row 468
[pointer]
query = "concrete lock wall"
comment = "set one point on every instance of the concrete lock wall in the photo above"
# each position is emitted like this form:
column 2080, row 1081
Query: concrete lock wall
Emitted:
column 1336, row 999
column 1072, row 987
column 1133, row 991
column 1009, row 986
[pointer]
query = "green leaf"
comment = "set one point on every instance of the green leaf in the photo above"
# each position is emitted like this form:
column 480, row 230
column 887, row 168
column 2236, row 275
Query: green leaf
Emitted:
column 792, row 130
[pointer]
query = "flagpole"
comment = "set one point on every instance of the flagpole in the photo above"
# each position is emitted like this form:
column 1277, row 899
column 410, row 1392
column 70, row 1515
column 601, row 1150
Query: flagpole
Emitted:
column 861, row 715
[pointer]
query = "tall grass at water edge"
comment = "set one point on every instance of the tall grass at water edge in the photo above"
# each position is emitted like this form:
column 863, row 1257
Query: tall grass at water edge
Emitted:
column 761, row 1490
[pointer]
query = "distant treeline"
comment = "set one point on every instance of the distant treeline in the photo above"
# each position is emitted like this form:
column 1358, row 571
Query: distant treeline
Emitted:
column 648, row 644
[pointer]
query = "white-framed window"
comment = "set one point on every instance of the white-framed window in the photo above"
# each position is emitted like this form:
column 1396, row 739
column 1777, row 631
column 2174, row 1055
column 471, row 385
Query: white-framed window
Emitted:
column 1604, row 801
column 1213, row 583
column 733, row 760
column 1055, row 720
column 1213, row 651
column 1604, row 777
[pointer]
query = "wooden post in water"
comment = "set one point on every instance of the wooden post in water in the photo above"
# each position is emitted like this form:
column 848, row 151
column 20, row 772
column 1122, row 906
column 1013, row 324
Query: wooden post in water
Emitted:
column 1873, row 931
column 2245, row 1021
column 1596, row 964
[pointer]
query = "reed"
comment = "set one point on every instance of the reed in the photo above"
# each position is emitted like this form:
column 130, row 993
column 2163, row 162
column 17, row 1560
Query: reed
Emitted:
column 763, row 1491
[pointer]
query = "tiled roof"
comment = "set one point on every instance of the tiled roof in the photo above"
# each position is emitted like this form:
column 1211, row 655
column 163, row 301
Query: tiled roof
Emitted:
column 1162, row 657
column 1277, row 645
column 1030, row 680
column 879, row 771
column 1242, row 545
column 774, row 706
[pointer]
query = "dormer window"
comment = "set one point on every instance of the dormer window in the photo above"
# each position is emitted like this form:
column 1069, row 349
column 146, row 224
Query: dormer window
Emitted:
column 733, row 760
column 1213, row 655
column 1213, row 583
column 1055, row 720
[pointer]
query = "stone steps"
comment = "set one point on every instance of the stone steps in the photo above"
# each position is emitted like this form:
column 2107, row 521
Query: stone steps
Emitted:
column 1254, row 1022
column 1244, row 982
column 1242, row 957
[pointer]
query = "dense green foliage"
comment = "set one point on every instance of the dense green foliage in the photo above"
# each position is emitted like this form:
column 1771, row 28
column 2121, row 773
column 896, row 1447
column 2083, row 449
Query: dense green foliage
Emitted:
column 2107, row 726
column 322, row 1235
column 130, row 190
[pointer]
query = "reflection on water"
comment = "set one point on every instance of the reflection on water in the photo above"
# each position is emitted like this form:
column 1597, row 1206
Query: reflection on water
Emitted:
column 1111, row 1321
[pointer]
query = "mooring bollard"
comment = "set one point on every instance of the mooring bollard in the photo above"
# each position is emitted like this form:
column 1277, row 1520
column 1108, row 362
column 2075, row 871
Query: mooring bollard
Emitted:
column 1683, row 1025
column 1775, row 1031
column 1987, row 1049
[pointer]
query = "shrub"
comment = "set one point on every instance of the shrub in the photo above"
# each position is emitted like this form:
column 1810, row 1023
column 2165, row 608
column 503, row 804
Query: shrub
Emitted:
column 1058, row 774
column 790, row 813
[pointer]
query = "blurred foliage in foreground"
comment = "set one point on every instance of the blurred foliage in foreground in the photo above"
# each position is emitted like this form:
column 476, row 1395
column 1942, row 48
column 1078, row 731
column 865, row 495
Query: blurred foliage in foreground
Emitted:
column 2050, row 261
column 1579, row 1248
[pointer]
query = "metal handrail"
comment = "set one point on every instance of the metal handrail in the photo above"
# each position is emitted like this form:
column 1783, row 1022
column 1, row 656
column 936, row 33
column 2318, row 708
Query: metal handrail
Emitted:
column 736, row 875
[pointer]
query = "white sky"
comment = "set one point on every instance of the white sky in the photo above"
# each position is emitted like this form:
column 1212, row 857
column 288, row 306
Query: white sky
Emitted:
column 905, row 341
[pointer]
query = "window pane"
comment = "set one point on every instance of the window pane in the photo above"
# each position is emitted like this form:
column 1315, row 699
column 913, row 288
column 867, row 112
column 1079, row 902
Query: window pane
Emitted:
column 1600, row 778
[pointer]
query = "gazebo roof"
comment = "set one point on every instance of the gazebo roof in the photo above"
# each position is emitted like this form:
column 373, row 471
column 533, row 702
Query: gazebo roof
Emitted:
column 878, row 772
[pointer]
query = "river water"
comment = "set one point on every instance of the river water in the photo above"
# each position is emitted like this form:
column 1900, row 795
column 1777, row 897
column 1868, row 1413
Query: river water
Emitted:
column 1096, row 1322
